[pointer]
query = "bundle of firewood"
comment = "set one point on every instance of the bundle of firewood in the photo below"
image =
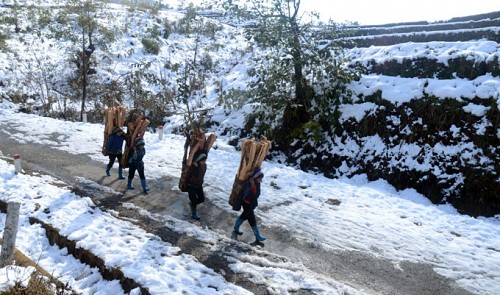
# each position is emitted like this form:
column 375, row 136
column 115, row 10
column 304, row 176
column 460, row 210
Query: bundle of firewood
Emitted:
column 253, row 154
column 195, row 141
column 136, row 127
column 113, row 117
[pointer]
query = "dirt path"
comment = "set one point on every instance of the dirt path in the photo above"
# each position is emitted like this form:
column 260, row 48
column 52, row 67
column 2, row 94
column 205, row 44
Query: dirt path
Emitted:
column 359, row 270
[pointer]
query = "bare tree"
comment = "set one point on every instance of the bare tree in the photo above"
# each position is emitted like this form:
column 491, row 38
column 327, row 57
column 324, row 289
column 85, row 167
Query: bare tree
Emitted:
column 81, row 24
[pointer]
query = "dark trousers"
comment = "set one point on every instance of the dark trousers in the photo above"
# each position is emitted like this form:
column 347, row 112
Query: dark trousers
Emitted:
column 132, row 168
column 112, row 158
column 196, row 195
column 248, row 214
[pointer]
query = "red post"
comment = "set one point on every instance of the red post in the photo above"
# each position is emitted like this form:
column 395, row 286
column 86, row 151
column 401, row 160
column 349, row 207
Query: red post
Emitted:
column 160, row 132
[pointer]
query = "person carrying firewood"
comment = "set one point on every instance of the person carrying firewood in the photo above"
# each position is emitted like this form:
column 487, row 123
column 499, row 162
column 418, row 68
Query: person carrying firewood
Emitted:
column 137, row 164
column 249, row 201
column 115, row 150
column 196, row 175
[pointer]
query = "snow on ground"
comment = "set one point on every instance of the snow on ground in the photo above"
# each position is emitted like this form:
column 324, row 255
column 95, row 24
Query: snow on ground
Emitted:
column 372, row 217
column 141, row 256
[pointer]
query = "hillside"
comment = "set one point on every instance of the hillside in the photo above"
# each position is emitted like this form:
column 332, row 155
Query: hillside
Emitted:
column 399, row 197
column 474, row 27
column 424, row 113
column 447, row 108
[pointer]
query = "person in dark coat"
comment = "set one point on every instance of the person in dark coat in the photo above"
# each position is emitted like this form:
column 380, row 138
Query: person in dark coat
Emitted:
column 249, row 201
column 196, row 176
column 114, row 148
column 137, row 164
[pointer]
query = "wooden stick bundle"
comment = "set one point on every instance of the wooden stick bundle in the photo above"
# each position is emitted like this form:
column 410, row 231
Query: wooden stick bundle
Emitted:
column 136, row 127
column 195, row 141
column 113, row 117
column 200, row 142
column 252, row 156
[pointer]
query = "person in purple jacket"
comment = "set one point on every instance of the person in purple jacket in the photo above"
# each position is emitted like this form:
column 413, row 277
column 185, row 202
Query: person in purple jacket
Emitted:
column 249, row 201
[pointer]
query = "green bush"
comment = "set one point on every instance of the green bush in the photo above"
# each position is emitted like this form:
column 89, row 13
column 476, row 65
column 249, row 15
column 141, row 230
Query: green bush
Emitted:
column 2, row 41
column 154, row 32
column 167, row 29
column 151, row 46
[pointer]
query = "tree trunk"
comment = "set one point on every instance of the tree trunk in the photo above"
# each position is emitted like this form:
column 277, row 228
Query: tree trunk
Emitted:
column 298, row 112
column 84, row 75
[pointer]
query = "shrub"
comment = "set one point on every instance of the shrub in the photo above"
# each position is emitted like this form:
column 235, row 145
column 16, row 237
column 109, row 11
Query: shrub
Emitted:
column 151, row 46
column 167, row 29
column 154, row 32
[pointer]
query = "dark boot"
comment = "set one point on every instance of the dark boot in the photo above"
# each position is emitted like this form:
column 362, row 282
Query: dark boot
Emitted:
column 237, row 224
column 194, row 214
column 258, row 237
column 129, row 184
column 107, row 171
column 144, row 186
column 120, row 173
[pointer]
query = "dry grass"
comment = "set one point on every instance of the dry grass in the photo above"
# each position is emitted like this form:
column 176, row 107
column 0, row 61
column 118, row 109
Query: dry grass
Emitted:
column 40, row 283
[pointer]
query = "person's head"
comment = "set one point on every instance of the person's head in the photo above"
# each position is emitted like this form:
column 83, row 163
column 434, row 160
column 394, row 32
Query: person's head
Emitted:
column 257, row 175
column 118, row 130
column 200, row 157
column 139, row 144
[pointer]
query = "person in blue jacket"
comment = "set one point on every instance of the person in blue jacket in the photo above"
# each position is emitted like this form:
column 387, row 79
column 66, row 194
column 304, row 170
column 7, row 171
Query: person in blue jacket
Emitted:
column 135, row 163
column 249, row 201
column 115, row 150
